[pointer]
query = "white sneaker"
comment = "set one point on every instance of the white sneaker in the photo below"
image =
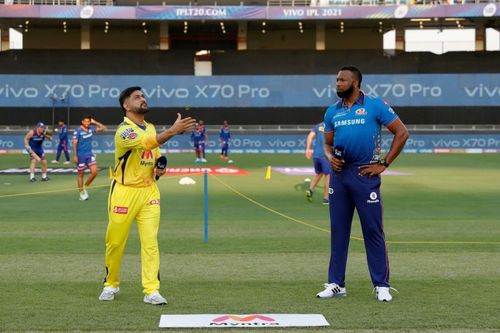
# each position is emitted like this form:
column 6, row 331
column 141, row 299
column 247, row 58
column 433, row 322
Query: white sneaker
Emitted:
column 108, row 293
column 332, row 290
column 155, row 298
column 197, row 160
column 383, row 294
column 84, row 195
column 67, row 162
column 203, row 160
column 55, row 162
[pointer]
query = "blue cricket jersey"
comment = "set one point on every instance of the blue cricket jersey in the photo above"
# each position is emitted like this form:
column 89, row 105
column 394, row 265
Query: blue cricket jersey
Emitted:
column 319, row 140
column 197, row 136
column 225, row 134
column 84, row 140
column 63, row 134
column 36, row 140
column 358, row 129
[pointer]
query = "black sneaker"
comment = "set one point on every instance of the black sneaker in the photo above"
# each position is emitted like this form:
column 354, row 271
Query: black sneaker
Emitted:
column 325, row 202
column 33, row 179
column 45, row 179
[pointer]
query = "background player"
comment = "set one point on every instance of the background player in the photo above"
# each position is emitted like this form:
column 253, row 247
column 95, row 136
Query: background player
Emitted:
column 135, row 195
column 321, row 163
column 197, row 137
column 353, row 134
column 224, row 137
column 33, row 142
column 203, row 143
column 63, row 143
column 82, row 152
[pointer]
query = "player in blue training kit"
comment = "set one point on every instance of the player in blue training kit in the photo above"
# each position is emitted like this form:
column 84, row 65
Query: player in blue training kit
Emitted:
column 353, row 146
column 197, row 138
column 224, row 137
column 33, row 142
column 82, row 152
column 63, row 143
column 203, row 143
column 316, row 139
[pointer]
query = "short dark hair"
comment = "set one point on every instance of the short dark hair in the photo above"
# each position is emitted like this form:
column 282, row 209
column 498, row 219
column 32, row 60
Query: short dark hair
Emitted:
column 126, row 94
column 87, row 116
column 355, row 71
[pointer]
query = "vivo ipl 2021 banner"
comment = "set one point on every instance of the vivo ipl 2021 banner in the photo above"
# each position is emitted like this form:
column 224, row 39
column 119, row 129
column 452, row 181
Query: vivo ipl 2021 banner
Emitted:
column 243, row 91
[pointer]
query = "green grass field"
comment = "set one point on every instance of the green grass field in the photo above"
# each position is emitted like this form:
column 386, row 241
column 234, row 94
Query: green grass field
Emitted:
column 442, row 225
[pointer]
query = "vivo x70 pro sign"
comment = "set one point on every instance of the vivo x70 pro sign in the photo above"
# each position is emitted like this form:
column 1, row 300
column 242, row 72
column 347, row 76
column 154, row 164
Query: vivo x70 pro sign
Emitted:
column 246, row 91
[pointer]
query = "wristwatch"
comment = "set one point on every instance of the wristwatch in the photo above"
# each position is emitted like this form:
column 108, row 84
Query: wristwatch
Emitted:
column 383, row 162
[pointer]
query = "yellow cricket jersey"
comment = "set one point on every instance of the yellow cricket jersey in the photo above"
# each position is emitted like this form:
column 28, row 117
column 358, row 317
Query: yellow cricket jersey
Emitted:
column 136, row 151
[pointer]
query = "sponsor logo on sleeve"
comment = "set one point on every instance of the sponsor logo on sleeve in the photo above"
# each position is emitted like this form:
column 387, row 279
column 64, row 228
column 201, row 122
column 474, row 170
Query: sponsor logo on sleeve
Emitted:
column 120, row 210
column 154, row 202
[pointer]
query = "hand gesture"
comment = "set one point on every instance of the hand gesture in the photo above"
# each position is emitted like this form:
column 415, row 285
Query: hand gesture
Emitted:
column 182, row 125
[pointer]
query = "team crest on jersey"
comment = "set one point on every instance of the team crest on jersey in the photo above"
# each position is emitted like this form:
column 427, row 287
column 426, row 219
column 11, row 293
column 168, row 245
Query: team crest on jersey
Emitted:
column 120, row 210
column 128, row 133
column 361, row 112
column 154, row 202
column 321, row 128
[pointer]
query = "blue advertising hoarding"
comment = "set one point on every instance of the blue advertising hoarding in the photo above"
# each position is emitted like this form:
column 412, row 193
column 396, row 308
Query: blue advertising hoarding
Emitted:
column 244, row 91
column 287, row 143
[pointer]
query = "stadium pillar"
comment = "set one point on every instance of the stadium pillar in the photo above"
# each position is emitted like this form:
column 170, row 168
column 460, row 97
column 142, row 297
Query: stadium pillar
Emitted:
column 242, row 35
column 85, row 36
column 480, row 37
column 164, row 37
column 320, row 36
column 4, row 39
column 400, row 39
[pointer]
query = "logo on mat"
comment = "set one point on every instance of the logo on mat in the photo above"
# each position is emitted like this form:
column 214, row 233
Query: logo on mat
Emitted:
column 242, row 319
column 120, row 210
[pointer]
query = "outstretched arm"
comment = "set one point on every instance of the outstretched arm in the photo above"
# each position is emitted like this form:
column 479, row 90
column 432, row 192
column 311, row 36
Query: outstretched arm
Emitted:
column 180, row 126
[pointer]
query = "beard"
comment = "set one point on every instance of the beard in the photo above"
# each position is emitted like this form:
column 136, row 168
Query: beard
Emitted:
column 346, row 93
column 142, row 109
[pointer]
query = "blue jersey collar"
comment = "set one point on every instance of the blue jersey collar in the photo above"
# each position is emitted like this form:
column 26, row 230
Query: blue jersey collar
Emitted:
column 360, row 101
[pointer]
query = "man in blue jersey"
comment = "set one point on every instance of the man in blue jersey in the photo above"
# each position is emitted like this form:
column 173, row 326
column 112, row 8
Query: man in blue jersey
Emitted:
column 63, row 143
column 203, row 143
column 82, row 152
column 353, row 146
column 224, row 137
column 33, row 142
column 321, row 164
column 197, row 138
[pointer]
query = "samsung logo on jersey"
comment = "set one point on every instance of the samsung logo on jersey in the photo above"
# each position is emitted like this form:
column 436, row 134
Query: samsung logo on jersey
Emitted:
column 349, row 122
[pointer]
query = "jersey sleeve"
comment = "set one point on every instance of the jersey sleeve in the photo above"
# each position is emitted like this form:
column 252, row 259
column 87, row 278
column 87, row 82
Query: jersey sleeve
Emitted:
column 128, row 138
column 328, row 120
column 386, row 114
column 75, row 136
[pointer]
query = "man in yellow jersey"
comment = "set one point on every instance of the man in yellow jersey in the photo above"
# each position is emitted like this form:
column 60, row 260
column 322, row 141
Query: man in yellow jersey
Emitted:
column 134, row 194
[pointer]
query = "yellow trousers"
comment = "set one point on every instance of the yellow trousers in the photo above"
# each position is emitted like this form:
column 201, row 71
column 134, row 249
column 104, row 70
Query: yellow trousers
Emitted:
column 126, row 204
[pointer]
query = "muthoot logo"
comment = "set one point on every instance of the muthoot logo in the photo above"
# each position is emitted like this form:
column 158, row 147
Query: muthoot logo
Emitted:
column 252, row 320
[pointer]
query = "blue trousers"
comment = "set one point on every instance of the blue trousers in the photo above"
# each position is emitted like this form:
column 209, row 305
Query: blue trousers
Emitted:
column 349, row 190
